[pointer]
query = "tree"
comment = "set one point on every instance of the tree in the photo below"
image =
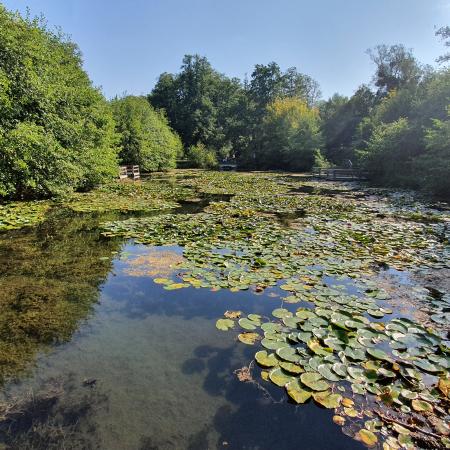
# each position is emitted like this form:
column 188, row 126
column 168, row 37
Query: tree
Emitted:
column 195, row 102
column 396, row 67
column 291, row 136
column 341, row 117
column 145, row 136
column 387, row 156
column 56, row 130
column 433, row 166
column 201, row 157
column 444, row 34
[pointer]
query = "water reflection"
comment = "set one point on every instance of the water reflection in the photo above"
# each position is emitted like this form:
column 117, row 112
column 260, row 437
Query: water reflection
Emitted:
column 50, row 277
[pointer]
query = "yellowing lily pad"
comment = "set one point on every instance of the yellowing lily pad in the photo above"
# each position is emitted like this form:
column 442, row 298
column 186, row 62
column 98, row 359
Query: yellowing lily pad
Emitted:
column 367, row 437
column 248, row 338
column 297, row 392
column 421, row 405
column 327, row 399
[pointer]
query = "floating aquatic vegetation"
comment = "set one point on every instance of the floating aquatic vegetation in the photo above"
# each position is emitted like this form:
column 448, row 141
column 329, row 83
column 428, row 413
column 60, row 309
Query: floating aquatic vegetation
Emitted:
column 138, row 196
column 397, row 371
column 16, row 215
column 344, row 340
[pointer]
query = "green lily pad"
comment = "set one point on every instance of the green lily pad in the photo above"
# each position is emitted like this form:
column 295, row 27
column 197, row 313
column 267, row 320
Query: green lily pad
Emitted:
column 288, row 354
column 265, row 359
column 280, row 313
column 314, row 381
column 280, row 378
column 271, row 344
column 326, row 372
column 378, row 354
column 291, row 367
column 224, row 324
column 247, row 324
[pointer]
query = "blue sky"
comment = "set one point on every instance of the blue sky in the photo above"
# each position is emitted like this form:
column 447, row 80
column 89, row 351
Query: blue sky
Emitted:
column 126, row 44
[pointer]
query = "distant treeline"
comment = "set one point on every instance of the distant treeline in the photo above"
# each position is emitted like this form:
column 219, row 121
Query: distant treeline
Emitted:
column 397, row 127
column 58, row 133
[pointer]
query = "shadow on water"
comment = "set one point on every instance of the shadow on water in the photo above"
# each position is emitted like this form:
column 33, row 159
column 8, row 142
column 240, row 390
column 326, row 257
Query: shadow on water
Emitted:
column 198, row 205
column 258, row 418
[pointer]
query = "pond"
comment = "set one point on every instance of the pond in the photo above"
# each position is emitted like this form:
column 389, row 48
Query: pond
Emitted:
column 112, row 323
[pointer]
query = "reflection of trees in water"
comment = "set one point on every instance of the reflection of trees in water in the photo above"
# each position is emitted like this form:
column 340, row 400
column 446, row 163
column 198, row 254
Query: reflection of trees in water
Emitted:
column 50, row 277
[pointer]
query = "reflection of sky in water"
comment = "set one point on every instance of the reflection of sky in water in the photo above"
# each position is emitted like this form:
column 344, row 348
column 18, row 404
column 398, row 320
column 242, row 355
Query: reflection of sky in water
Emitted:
column 167, row 373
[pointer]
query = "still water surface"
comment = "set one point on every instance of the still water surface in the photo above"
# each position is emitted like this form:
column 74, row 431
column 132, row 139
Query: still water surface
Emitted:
column 141, row 367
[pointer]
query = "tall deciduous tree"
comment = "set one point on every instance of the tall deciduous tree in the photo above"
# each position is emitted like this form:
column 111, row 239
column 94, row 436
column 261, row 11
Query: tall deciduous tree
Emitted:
column 56, row 130
column 291, row 135
column 145, row 136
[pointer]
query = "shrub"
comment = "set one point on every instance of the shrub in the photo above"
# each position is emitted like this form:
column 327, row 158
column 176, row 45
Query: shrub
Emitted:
column 201, row 157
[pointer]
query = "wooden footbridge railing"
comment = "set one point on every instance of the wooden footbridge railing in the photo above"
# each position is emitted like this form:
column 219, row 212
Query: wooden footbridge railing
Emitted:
column 129, row 172
column 340, row 174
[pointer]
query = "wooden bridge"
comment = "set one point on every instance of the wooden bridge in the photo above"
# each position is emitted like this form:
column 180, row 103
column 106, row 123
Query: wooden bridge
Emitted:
column 227, row 166
column 340, row 174
column 132, row 172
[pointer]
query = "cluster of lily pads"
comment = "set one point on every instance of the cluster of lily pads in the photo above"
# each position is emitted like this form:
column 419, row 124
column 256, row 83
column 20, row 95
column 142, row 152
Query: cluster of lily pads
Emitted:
column 146, row 195
column 333, row 350
column 339, row 342
column 16, row 215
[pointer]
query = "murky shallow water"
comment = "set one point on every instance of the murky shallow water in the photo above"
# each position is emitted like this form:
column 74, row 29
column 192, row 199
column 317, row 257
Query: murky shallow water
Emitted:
column 138, row 367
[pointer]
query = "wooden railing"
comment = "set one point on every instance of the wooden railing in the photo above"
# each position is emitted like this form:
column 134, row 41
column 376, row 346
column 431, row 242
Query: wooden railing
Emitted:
column 340, row 174
column 129, row 172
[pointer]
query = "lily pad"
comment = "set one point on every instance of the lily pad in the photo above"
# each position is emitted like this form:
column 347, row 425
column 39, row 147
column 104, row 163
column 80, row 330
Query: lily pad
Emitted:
column 224, row 324
column 248, row 338
column 297, row 392
column 367, row 437
column 279, row 377
column 265, row 359
column 327, row 399
column 314, row 381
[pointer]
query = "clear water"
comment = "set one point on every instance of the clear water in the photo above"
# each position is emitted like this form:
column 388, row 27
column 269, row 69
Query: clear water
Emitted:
column 143, row 368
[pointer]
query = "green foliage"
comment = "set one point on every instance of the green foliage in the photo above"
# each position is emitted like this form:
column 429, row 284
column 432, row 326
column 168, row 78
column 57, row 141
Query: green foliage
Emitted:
column 224, row 114
column 435, row 162
column 444, row 34
column 379, row 158
column 396, row 67
column 145, row 136
column 341, row 117
column 291, row 136
column 201, row 157
column 56, row 132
